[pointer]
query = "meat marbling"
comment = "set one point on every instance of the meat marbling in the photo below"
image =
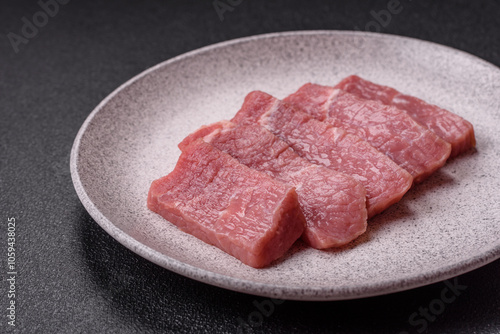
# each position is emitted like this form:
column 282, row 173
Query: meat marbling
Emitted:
column 212, row 196
column 394, row 133
column 447, row 125
column 333, row 203
column 321, row 143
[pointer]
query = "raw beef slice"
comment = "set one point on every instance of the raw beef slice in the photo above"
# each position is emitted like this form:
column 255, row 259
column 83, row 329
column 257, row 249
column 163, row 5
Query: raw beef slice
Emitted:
column 323, row 144
column 447, row 125
column 333, row 203
column 392, row 132
column 246, row 213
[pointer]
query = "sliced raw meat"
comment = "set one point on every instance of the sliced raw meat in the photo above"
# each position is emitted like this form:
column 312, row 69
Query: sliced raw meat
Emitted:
column 244, row 212
column 447, row 125
column 333, row 203
column 400, row 137
column 323, row 144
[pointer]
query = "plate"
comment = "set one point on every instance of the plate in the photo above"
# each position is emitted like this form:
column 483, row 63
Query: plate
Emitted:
column 443, row 227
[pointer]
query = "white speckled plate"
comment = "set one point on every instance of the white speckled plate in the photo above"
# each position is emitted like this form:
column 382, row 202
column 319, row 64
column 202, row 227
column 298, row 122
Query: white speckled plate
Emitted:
column 446, row 226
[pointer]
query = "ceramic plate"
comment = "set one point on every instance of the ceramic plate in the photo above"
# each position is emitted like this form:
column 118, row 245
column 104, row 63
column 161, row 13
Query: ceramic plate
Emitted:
column 444, row 227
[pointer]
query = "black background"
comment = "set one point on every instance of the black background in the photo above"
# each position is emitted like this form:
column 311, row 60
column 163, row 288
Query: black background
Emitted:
column 72, row 276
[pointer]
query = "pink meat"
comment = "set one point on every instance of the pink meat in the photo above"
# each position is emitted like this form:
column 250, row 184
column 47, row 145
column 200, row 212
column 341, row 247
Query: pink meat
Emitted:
column 447, row 125
column 246, row 213
column 333, row 203
column 323, row 144
column 410, row 145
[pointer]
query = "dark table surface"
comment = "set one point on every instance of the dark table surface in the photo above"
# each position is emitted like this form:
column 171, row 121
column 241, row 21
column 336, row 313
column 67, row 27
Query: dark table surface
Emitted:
column 72, row 277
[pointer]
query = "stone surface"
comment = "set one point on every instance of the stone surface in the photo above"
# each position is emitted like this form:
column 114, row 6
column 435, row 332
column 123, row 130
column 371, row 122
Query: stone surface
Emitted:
column 74, row 277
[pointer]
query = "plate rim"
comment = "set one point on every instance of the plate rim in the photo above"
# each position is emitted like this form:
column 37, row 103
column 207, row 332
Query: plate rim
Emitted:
column 315, row 293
